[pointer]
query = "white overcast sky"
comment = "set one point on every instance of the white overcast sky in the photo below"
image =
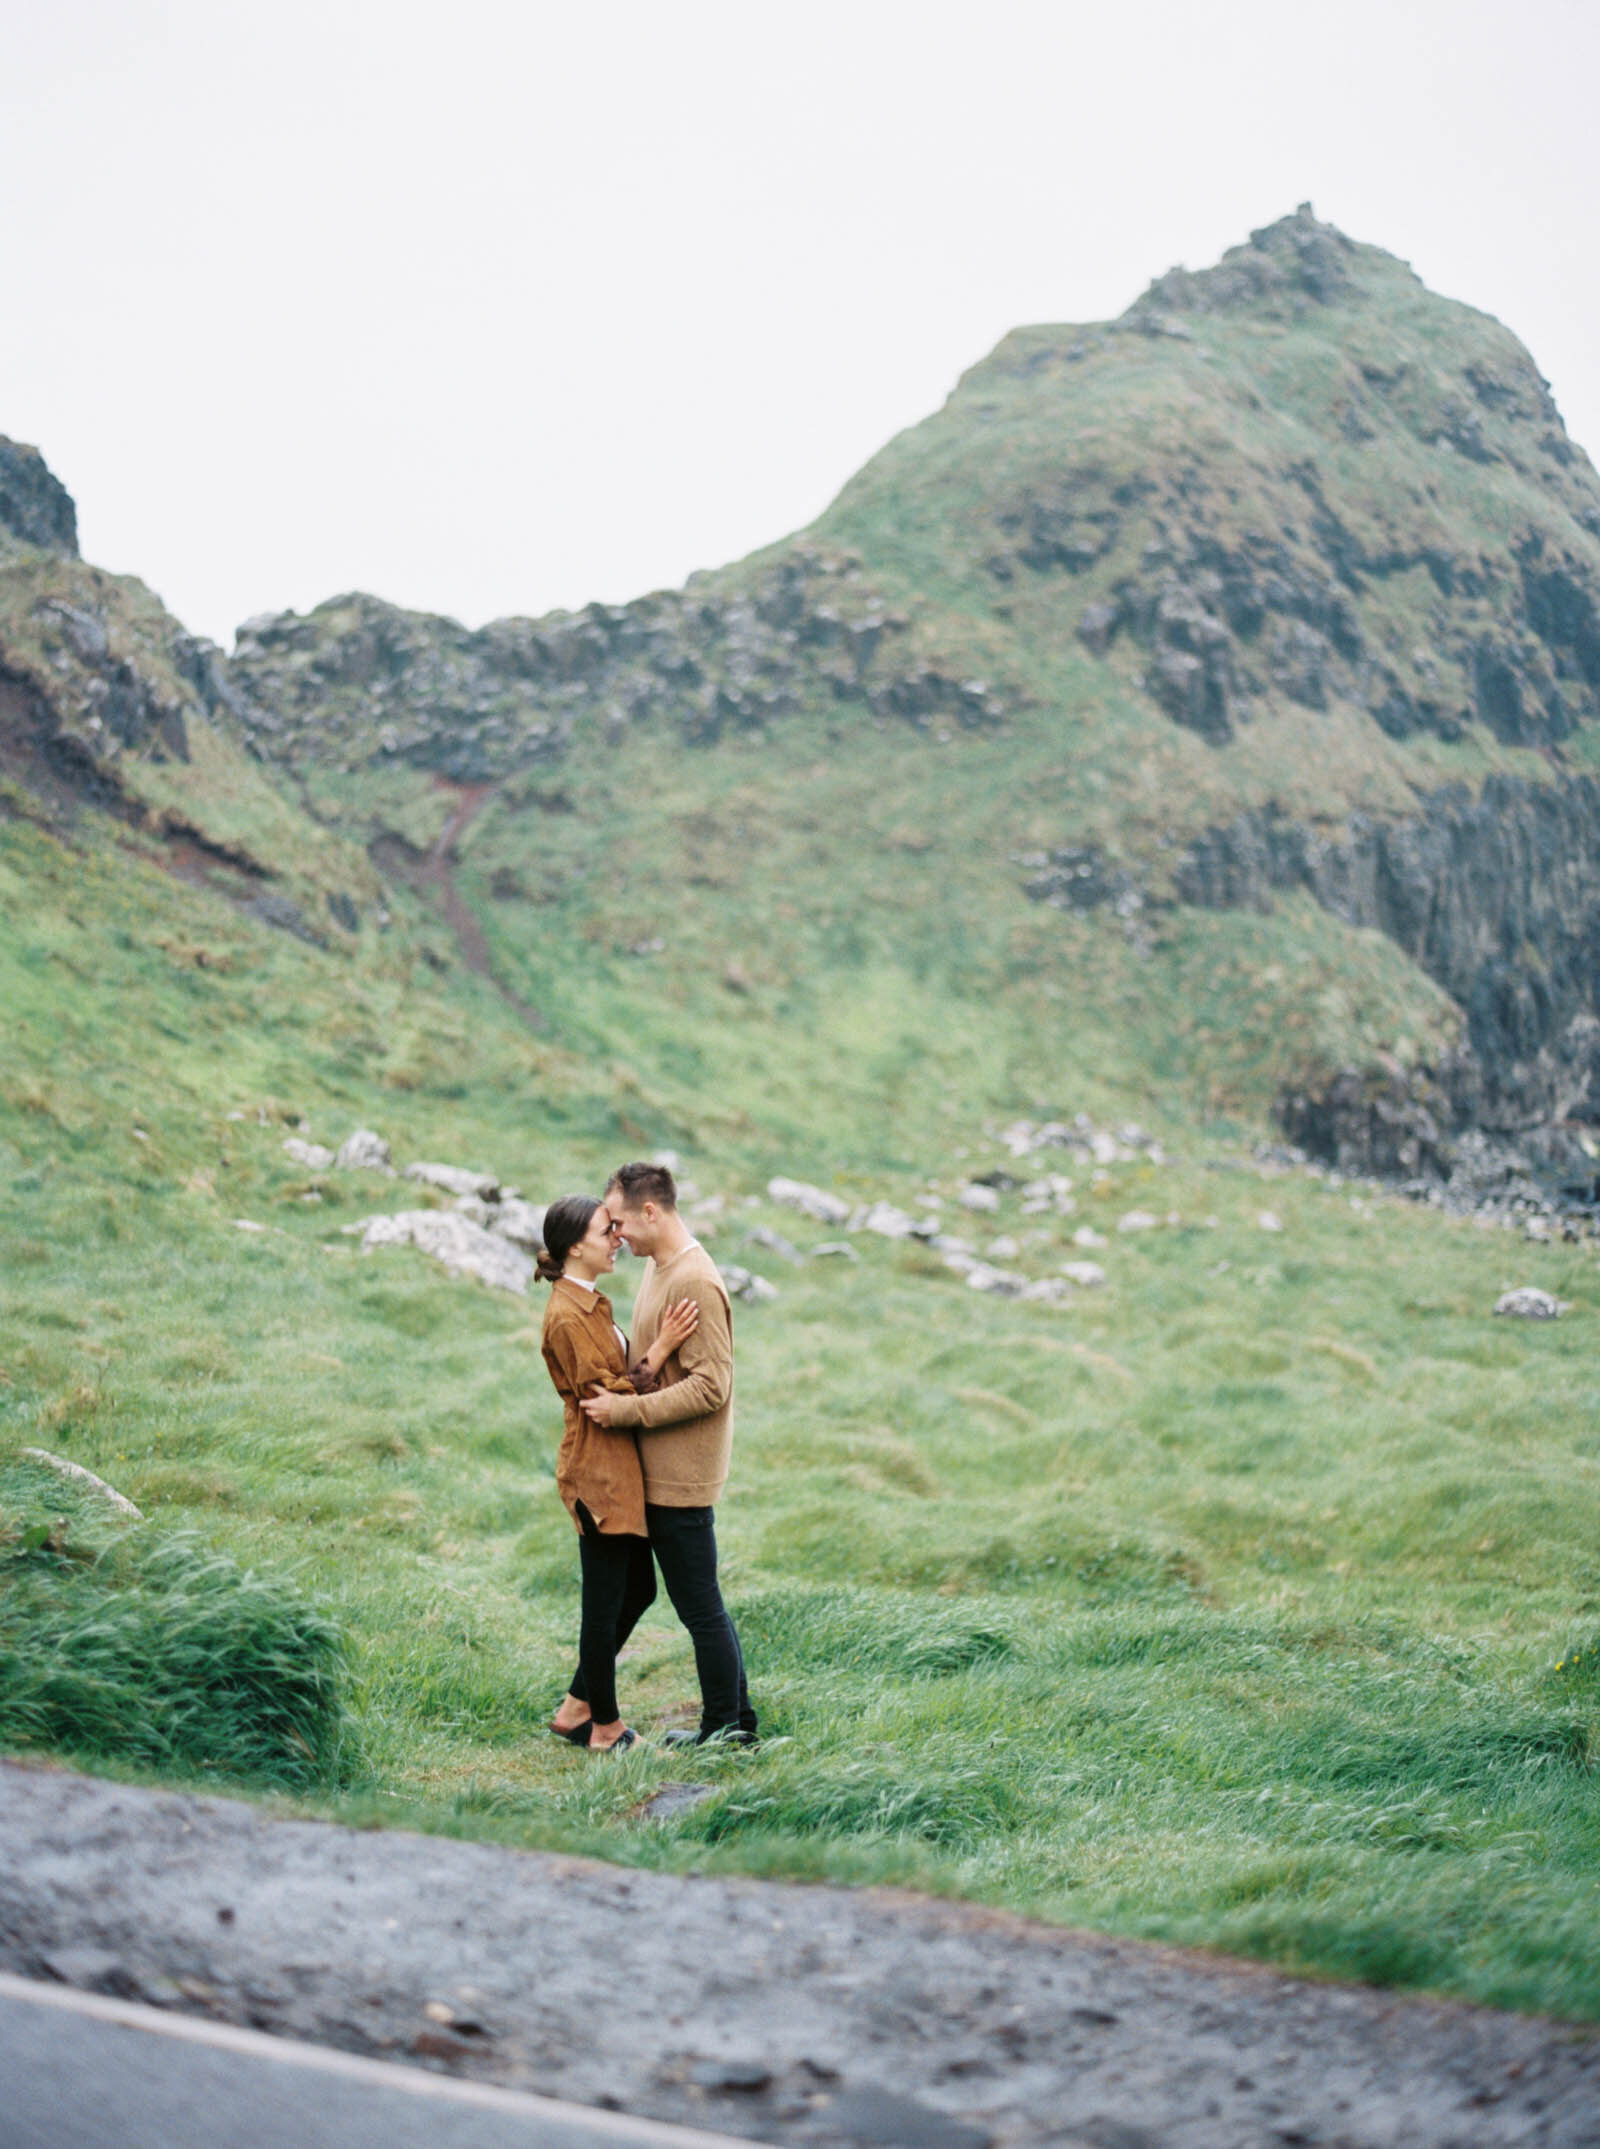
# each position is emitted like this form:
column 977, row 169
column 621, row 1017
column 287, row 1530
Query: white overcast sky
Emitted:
column 495, row 307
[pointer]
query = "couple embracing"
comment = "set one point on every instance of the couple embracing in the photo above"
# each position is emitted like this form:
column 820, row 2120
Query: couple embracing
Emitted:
column 646, row 1446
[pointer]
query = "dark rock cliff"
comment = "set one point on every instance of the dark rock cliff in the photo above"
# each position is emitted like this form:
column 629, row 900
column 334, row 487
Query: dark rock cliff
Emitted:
column 357, row 680
column 1496, row 897
column 34, row 505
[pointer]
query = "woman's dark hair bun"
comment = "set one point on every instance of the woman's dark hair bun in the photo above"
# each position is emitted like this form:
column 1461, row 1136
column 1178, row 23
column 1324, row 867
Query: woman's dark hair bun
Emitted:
column 565, row 1222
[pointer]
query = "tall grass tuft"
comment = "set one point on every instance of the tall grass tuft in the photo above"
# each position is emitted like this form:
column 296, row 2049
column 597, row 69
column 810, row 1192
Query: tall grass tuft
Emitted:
column 159, row 1652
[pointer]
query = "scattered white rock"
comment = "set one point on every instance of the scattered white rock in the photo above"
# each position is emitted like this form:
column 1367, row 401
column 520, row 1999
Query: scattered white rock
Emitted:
column 812, row 1201
column 888, row 1222
column 1004, row 1248
column 77, row 1475
column 832, row 1249
column 1532, row 1304
column 1088, row 1238
column 1537, row 1228
column 1268, row 1220
column 244, row 1223
column 930, row 1201
column 1087, row 1273
column 1037, row 1205
column 744, row 1283
column 455, row 1179
column 776, row 1243
column 1047, row 1291
column 462, row 1246
column 1137, row 1220
column 364, row 1151
column 311, row 1154
column 945, row 1242
column 981, row 1277
column 522, row 1222
column 984, row 1199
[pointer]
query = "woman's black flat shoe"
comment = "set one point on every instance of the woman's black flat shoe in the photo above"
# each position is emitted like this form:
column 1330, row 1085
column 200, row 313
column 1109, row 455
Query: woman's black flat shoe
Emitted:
column 578, row 1735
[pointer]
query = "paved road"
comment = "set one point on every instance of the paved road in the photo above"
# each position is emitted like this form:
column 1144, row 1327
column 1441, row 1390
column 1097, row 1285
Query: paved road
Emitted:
column 79, row 2071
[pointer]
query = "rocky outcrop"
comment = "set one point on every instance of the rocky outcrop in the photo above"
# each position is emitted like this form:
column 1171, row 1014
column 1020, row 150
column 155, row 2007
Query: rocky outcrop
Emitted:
column 1283, row 266
column 358, row 680
column 35, row 507
column 1225, row 624
column 108, row 705
column 1297, row 523
column 1496, row 897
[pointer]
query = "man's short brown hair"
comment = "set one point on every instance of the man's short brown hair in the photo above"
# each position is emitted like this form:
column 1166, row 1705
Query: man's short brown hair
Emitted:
column 639, row 1183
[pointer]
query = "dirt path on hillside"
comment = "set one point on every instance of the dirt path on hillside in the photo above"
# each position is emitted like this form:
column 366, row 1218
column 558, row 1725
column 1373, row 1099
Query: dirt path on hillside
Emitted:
column 792, row 2015
column 432, row 875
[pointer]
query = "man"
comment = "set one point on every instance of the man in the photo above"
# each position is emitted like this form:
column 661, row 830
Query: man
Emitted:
column 685, row 1434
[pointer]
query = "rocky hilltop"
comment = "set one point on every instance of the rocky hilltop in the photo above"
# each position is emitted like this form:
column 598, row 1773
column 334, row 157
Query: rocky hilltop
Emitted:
column 108, row 704
column 1283, row 588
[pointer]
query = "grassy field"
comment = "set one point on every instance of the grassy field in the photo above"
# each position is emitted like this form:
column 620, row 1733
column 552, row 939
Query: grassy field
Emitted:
column 1251, row 1600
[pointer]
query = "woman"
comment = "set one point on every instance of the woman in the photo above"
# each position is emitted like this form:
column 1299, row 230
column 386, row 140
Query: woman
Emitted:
column 597, row 1472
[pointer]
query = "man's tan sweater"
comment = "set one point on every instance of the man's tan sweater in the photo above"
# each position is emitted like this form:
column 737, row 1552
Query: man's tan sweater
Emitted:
column 685, row 1428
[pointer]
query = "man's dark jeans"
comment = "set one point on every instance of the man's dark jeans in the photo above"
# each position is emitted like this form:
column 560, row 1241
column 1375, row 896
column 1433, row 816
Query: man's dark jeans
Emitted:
column 684, row 1541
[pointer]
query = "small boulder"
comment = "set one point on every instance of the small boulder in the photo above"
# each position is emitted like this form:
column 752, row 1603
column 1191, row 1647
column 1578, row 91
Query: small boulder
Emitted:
column 834, row 1249
column 311, row 1154
column 981, row 1277
column 744, row 1283
column 462, row 1246
column 1137, row 1220
column 364, row 1151
column 983, row 1199
column 812, row 1201
column 1529, row 1303
column 887, row 1221
column 1268, row 1220
column 774, row 1242
column 1087, row 1273
column 522, row 1222
column 1088, row 1238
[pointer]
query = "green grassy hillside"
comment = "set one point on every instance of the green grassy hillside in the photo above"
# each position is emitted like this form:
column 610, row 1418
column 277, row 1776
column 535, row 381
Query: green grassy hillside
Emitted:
column 1224, row 1602
column 1248, row 1598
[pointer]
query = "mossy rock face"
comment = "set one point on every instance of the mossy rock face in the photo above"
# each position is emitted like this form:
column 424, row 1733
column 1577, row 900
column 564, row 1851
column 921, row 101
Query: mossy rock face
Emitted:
column 1286, row 581
column 35, row 506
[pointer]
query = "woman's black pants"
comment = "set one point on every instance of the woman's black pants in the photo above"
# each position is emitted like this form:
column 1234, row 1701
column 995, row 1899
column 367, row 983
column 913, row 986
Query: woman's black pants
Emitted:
column 619, row 1586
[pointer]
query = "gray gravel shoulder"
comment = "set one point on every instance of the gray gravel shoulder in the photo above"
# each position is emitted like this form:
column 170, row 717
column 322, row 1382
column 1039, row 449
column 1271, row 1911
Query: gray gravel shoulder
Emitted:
column 786, row 2014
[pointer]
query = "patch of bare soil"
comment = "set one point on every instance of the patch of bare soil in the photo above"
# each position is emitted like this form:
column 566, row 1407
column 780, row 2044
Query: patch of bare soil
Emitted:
column 432, row 874
column 787, row 2014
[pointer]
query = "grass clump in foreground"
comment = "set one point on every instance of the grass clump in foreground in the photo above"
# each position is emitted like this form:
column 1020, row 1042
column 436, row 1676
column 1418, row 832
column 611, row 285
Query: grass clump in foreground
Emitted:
column 149, row 1648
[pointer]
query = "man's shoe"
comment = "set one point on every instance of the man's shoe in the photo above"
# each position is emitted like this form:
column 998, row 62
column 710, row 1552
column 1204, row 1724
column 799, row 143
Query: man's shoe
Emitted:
column 726, row 1735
